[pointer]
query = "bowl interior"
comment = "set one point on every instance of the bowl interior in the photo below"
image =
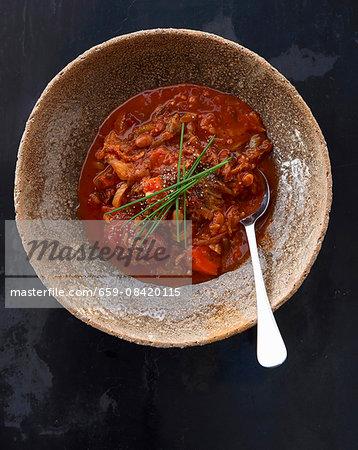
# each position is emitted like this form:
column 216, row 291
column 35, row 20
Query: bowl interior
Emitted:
column 65, row 121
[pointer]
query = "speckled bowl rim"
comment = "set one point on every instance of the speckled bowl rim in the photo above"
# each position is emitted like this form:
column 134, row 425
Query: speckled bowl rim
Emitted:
column 285, row 85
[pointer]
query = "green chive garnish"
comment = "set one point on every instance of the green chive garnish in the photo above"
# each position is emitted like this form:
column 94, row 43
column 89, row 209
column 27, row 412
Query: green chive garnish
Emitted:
column 173, row 197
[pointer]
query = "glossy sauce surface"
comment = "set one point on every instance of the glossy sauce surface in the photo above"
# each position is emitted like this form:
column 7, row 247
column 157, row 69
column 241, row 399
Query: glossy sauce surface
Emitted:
column 136, row 152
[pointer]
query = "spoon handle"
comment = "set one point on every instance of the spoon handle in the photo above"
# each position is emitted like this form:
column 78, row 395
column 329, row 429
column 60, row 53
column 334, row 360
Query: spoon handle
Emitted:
column 271, row 350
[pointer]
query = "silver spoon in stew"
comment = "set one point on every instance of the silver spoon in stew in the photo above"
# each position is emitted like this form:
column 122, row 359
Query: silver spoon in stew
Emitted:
column 271, row 350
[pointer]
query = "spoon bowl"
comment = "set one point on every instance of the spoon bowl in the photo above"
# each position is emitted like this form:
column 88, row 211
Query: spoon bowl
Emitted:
column 249, row 220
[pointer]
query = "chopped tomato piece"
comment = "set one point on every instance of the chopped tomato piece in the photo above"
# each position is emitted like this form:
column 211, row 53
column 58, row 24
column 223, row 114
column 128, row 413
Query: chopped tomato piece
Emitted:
column 205, row 260
column 152, row 184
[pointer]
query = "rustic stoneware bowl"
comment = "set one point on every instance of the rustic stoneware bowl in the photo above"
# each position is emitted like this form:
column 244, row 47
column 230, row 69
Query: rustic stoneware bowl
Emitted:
column 65, row 121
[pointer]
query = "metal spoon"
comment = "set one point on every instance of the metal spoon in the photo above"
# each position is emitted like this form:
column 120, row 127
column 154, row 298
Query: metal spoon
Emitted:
column 271, row 350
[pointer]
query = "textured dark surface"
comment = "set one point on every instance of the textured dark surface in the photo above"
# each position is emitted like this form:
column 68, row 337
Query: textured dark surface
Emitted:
column 67, row 385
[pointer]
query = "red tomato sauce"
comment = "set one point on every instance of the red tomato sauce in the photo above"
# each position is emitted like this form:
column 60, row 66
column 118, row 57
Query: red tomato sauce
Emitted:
column 136, row 152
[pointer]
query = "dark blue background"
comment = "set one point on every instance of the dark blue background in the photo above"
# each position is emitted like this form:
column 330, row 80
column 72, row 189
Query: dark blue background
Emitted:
column 66, row 385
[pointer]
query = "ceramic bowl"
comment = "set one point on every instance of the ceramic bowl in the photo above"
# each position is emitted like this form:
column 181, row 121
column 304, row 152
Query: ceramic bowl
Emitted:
column 65, row 121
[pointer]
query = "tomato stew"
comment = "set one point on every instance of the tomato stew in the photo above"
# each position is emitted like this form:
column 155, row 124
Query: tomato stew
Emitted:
column 136, row 153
